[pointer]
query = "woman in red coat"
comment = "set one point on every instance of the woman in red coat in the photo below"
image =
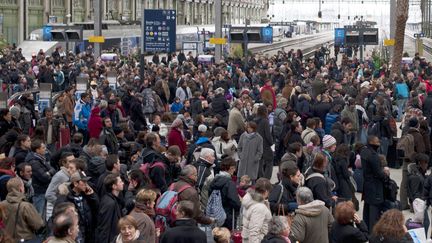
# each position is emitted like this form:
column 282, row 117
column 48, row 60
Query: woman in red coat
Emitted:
column 176, row 137
column 268, row 95
column 95, row 123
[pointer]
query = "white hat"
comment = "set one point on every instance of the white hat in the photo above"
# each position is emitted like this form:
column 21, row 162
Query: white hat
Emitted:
column 328, row 141
column 202, row 128
column 364, row 84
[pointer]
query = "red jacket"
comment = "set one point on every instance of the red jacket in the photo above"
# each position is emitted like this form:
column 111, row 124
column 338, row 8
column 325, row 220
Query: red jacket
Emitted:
column 175, row 138
column 268, row 94
column 95, row 123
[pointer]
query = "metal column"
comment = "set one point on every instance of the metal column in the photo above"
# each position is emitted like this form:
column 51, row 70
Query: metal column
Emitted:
column 392, row 23
column 97, row 26
column 218, row 29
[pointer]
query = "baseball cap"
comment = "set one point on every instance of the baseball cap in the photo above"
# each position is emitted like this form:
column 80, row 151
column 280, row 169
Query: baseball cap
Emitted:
column 79, row 176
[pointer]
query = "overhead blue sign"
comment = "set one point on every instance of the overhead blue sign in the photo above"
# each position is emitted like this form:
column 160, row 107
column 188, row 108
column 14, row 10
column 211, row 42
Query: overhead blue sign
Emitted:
column 339, row 36
column 159, row 30
column 46, row 33
column 267, row 34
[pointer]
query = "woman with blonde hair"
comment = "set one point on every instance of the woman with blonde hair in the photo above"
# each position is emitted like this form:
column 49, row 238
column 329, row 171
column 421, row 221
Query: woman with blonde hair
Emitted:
column 143, row 213
column 391, row 229
column 129, row 232
column 221, row 235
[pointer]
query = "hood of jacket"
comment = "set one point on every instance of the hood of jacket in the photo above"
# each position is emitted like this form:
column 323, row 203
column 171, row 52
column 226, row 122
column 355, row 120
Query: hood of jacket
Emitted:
column 311, row 209
column 252, row 197
column 185, row 222
column 15, row 197
column 289, row 157
column 338, row 126
column 250, row 136
column 413, row 169
column 202, row 140
column 97, row 165
column 220, row 180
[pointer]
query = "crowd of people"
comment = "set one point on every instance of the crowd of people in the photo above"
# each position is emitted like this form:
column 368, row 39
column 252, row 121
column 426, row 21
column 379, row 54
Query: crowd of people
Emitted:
column 187, row 152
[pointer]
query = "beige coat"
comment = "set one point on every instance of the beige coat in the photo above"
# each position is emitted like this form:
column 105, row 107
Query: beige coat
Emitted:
column 20, row 225
column 312, row 223
column 256, row 217
column 236, row 123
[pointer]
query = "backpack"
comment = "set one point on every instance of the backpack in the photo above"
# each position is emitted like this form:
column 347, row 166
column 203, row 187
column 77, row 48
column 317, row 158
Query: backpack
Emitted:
column 374, row 129
column 149, row 102
column 147, row 167
column 405, row 146
column 166, row 207
column 195, row 155
column 278, row 123
column 215, row 208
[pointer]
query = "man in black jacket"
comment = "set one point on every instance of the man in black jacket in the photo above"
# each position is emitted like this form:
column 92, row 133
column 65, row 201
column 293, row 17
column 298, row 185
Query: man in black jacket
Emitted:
column 373, row 185
column 341, row 131
column 42, row 174
column 86, row 204
column 108, row 137
column 185, row 228
column 163, row 176
column 110, row 210
column 112, row 164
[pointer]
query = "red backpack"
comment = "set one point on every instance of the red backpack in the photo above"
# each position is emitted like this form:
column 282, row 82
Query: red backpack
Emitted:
column 166, row 207
column 147, row 167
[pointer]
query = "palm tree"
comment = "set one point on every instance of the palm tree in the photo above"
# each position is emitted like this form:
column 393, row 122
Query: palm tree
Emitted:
column 401, row 19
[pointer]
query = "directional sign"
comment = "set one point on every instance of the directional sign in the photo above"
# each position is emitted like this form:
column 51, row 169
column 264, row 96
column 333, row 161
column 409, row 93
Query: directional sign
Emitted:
column 267, row 34
column 389, row 42
column 159, row 33
column 339, row 36
column 96, row 39
column 218, row 41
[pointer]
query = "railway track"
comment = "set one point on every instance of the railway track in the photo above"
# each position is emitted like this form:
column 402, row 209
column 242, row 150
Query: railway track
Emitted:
column 296, row 42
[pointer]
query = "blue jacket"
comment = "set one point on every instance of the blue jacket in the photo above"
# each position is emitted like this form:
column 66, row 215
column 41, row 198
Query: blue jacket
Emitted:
column 176, row 107
column 402, row 91
column 81, row 115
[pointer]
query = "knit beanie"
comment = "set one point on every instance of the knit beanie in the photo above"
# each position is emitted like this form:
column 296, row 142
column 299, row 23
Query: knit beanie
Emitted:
column 328, row 141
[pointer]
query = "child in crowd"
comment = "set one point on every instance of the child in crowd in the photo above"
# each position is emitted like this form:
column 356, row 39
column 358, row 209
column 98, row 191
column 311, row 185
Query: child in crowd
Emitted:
column 176, row 106
column 245, row 183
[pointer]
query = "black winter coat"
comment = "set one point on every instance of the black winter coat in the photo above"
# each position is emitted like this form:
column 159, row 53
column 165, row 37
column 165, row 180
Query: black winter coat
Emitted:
column 110, row 211
column 42, row 172
column 263, row 129
column 320, row 110
column 20, row 155
column 87, row 211
column 220, row 106
column 288, row 195
column 416, row 181
column 184, row 231
column 230, row 198
column 373, row 176
column 348, row 233
column 320, row 188
column 343, row 178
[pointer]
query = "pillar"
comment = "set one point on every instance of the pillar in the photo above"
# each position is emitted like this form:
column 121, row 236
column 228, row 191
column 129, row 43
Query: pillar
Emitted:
column 88, row 9
column 21, row 26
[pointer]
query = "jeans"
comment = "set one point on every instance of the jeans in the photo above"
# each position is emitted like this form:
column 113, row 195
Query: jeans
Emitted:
column 401, row 103
column 39, row 203
column 385, row 142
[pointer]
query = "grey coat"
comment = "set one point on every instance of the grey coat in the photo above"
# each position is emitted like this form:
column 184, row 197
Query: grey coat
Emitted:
column 250, row 151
